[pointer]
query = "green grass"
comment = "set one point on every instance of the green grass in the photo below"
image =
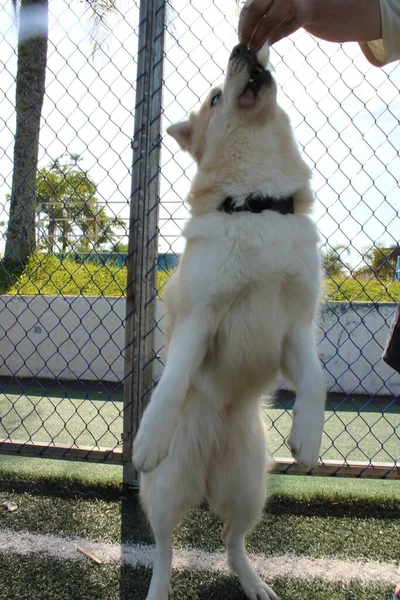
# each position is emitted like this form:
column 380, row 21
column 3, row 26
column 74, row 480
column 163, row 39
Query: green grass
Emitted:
column 314, row 489
column 16, row 468
column 34, row 578
column 48, row 275
column 353, row 429
column 82, row 413
column 88, row 417
column 47, row 474
column 71, row 421
column 17, row 472
column 341, row 527
column 347, row 519
column 329, row 525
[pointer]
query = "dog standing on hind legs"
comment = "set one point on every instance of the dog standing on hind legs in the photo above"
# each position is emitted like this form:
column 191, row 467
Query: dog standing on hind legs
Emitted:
column 240, row 309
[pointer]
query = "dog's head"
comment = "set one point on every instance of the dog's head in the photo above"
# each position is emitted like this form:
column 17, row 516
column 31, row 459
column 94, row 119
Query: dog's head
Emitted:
column 247, row 98
column 240, row 138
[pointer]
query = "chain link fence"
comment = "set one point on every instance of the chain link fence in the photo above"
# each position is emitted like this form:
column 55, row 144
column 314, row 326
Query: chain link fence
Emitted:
column 81, row 322
column 65, row 224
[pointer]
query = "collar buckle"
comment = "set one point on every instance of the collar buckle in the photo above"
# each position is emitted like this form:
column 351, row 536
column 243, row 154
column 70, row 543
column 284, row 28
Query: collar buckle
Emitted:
column 256, row 203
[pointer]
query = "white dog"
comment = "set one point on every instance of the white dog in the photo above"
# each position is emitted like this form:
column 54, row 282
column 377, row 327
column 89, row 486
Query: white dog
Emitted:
column 240, row 308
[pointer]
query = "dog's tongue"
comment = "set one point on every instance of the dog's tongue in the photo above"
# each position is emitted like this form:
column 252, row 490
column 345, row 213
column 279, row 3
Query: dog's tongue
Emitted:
column 248, row 98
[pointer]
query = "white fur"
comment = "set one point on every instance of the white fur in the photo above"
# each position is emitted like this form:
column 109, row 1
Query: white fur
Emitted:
column 240, row 308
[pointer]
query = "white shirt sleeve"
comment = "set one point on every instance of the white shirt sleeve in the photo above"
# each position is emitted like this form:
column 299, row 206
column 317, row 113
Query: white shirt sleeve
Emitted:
column 381, row 52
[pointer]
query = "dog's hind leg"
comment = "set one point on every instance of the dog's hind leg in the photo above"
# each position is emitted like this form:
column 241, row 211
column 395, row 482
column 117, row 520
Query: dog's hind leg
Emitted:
column 166, row 496
column 244, row 515
column 237, row 492
column 300, row 363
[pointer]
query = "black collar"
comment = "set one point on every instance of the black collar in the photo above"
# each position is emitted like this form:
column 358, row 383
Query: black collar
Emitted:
column 258, row 202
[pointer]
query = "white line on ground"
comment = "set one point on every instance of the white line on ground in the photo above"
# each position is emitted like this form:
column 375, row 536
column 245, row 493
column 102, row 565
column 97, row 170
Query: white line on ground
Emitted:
column 269, row 567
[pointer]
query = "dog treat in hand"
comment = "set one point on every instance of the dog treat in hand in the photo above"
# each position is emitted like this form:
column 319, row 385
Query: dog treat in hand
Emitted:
column 263, row 55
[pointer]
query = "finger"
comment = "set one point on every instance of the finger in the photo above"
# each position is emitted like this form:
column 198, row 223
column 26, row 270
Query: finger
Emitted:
column 282, row 32
column 250, row 17
column 280, row 16
column 274, row 36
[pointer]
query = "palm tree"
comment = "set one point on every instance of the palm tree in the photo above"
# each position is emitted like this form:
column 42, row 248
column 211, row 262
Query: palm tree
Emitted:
column 67, row 199
column 30, row 90
column 379, row 262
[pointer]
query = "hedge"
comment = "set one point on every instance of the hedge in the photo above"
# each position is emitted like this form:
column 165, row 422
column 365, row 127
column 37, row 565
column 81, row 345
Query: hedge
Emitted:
column 48, row 275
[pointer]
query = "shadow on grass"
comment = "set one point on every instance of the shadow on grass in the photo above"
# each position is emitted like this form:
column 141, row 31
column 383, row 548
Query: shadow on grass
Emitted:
column 40, row 387
column 134, row 529
column 35, row 577
column 353, row 403
column 60, row 487
column 352, row 508
column 189, row 585
column 134, row 522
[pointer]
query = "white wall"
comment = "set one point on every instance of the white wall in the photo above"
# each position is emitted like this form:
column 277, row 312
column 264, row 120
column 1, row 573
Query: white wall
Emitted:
column 351, row 341
column 83, row 338
column 69, row 338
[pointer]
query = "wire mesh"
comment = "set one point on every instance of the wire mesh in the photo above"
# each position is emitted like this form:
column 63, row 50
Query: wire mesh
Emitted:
column 62, row 316
column 345, row 116
column 65, row 192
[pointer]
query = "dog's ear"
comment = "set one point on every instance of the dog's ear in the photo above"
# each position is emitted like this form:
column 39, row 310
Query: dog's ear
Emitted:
column 183, row 134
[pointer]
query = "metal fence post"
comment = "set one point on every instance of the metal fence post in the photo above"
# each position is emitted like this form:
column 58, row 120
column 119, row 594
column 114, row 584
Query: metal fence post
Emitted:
column 143, row 227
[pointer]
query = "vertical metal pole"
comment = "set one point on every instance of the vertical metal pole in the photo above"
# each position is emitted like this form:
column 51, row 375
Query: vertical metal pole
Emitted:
column 143, row 227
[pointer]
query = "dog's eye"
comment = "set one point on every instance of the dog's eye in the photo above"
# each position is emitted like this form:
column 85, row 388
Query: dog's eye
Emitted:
column 215, row 99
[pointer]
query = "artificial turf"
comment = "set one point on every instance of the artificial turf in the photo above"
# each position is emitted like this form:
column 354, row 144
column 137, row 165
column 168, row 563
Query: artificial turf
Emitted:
column 306, row 516
column 87, row 414
column 344, row 528
column 38, row 578
column 70, row 475
column 349, row 432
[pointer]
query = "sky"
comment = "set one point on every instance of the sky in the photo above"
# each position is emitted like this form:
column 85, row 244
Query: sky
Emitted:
column 344, row 111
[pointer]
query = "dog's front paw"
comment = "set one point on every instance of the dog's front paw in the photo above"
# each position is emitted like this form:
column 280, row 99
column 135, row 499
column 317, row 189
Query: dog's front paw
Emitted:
column 148, row 451
column 305, row 437
column 153, row 438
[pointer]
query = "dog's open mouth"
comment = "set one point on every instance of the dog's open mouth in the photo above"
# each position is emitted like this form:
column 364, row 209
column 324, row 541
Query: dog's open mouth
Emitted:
column 259, row 78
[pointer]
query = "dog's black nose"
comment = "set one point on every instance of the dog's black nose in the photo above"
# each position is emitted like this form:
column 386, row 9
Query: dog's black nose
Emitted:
column 241, row 51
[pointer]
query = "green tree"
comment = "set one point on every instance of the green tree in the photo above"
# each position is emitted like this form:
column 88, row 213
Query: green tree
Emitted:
column 332, row 262
column 66, row 199
column 378, row 262
column 121, row 248
column 30, row 90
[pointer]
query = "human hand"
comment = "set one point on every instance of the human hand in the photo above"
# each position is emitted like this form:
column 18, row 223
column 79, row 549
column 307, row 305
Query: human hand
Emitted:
column 269, row 21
